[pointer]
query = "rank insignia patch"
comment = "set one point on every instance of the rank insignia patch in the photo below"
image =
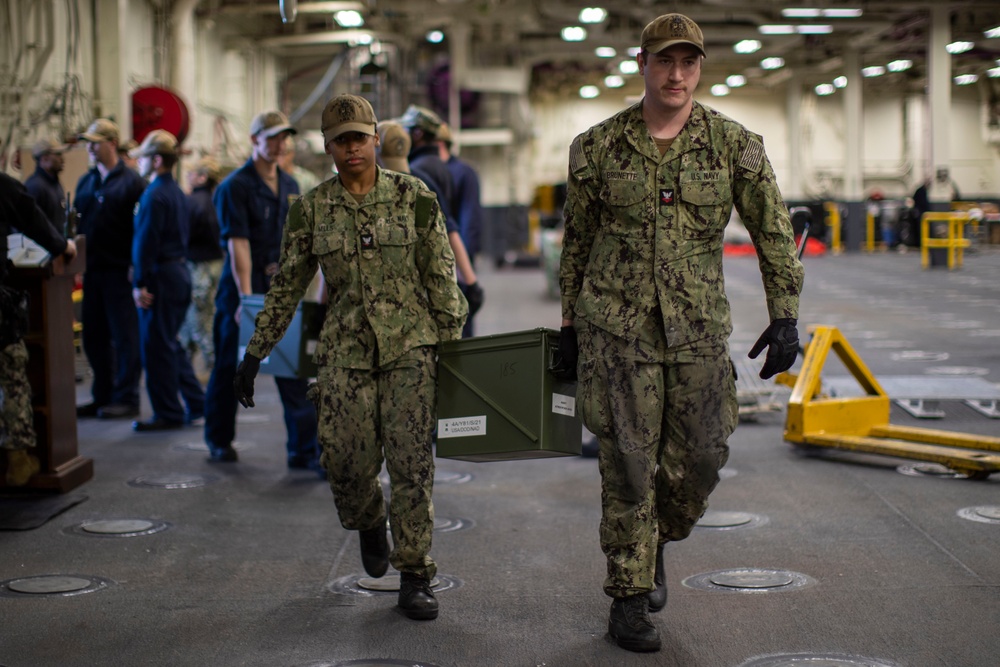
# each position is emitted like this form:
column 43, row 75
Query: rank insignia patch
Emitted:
column 666, row 197
column 367, row 241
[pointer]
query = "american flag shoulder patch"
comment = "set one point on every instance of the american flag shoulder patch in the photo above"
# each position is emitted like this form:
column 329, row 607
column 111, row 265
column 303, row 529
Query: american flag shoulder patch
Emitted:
column 577, row 160
column 752, row 157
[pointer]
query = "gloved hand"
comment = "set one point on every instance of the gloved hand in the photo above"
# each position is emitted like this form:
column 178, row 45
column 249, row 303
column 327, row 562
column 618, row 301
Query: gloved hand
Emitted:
column 474, row 295
column 782, row 341
column 243, row 382
column 567, row 355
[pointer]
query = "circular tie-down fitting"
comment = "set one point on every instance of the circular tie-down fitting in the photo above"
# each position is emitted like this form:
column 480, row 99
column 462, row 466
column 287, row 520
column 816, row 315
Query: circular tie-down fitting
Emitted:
column 939, row 471
column 981, row 514
column 200, row 446
column 452, row 525
column 118, row 528
column 919, row 355
column 363, row 585
column 815, row 660
column 53, row 585
column 718, row 520
column 172, row 480
column 957, row 371
column 749, row 580
column 451, row 477
column 372, row 662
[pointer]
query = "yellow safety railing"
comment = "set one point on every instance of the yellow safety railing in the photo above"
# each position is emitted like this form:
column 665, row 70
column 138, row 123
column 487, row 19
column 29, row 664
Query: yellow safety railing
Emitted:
column 870, row 244
column 833, row 222
column 955, row 242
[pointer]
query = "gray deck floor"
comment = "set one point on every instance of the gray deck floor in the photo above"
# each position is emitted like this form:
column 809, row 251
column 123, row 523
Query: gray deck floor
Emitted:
column 252, row 568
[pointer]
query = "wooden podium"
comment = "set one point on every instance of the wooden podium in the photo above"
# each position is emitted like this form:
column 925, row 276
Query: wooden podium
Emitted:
column 52, row 372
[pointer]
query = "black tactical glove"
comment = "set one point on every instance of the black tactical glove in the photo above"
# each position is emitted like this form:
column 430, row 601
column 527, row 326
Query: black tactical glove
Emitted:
column 567, row 355
column 474, row 295
column 243, row 383
column 782, row 341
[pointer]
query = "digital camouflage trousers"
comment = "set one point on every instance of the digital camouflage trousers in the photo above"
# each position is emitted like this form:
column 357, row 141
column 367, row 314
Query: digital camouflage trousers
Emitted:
column 387, row 413
column 17, row 428
column 662, row 418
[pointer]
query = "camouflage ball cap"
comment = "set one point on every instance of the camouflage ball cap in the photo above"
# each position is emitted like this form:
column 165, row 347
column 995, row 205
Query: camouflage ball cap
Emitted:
column 47, row 146
column 157, row 142
column 270, row 123
column 101, row 129
column 348, row 113
column 420, row 117
column 395, row 143
column 670, row 29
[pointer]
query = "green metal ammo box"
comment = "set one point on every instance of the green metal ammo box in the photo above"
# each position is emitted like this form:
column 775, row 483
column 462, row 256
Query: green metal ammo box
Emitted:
column 497, row 400
column 292, row 357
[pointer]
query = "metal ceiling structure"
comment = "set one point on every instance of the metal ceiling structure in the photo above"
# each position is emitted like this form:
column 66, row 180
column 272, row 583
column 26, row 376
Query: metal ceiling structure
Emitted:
column 527, row 32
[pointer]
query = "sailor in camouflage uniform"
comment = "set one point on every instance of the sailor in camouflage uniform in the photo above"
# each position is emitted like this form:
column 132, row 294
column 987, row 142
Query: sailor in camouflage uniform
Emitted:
column 644, row 309
column 379, row 238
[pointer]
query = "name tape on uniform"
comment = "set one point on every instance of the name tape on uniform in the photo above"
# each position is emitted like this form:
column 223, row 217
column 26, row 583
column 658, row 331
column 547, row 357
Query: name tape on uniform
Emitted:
column 564, row 405
column 460, row 427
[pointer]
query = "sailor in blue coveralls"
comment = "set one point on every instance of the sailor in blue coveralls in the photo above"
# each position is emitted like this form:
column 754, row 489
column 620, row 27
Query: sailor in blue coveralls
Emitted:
column 162, row 287
column 105, row 203
column 252, row 203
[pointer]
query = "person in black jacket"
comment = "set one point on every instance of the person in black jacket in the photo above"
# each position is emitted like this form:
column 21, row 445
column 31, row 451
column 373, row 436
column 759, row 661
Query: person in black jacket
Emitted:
column 19, row 212
column 426, row 164
column 44, row 184
column 204, row 257
column 105, row 202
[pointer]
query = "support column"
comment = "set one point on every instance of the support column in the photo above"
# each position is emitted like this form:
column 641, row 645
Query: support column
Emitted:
column 458, row 46
column 939, row 97
column 855, row 224
column 793, row 106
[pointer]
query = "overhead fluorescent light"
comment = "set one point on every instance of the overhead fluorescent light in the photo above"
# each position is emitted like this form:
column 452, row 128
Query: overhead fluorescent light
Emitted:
column 992, row 33
column 840, row 82
column 800, row 13
column 899, row 65
column 959, row 47
column 776, row 29
column 349, row 18
column 814, row 29
column 736, row 81
column 825, row 89
column 593, row 15
column 589, row 92
column 873, row 71
column 614, row 81
column 634, row 51
column 628, row 67
column 435, row 37
column 993, row 73
column 966, row 79
column 747, row 46
column 773, row 62
column 816, row 12
column 605, row 52
column 842, row 13
column 720, row 90
column 573, row 33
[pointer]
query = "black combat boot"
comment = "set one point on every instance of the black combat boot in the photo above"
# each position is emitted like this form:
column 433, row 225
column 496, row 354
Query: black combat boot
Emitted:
column 630, row 626
column 658, row 596
column 375, row 550
column 416, row 598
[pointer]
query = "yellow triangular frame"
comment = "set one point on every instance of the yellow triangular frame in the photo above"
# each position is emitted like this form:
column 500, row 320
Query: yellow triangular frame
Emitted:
column 811, row 413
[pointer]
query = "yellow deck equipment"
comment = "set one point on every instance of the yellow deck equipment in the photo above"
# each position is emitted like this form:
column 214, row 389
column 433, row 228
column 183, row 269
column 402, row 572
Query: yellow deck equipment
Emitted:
column 861, row 424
